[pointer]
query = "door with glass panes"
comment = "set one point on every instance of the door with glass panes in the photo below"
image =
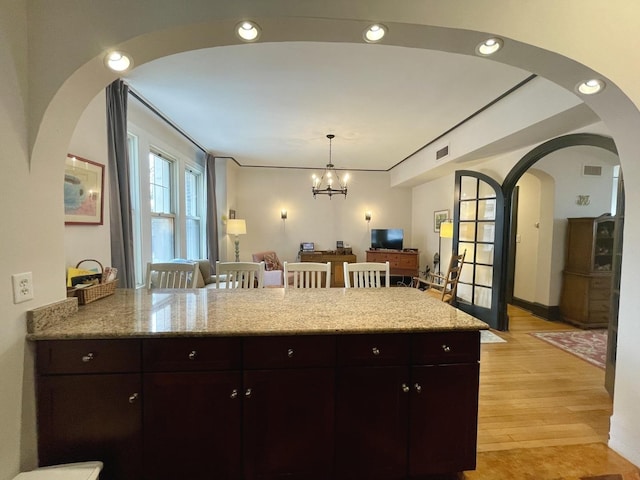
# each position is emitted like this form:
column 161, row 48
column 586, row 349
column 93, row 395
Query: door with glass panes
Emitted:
column 478, row 230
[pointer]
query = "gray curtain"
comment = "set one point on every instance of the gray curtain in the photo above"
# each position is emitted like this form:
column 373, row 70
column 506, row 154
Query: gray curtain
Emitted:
column 212, row 212
column 119, row 193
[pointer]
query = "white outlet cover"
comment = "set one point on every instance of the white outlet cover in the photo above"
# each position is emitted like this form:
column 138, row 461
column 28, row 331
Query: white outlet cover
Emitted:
column 22, row 287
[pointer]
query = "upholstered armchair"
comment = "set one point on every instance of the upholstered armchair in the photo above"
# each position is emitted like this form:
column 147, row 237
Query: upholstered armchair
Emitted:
column 273, row 269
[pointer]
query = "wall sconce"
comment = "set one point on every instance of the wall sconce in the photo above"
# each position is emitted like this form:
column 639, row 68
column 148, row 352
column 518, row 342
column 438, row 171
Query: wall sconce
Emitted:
column 283, row 214
column 367, row 216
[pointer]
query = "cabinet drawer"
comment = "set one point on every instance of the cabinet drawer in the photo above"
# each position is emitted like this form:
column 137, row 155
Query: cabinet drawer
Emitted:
column 87, row 356
column 599, row 294
column 191, row 354
column 289, row 351
column 445, row 347
column 598, row 317
column 600, row 282
column 597, row 306
column 373, row 350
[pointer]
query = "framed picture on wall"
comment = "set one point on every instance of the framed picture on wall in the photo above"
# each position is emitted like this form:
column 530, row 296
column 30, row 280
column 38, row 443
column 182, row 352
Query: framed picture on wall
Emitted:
column 232, row 214
column 439, row 216
column 83, row 191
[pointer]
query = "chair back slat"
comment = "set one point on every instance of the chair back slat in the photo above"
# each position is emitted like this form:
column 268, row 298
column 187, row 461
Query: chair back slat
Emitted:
column 366, row 274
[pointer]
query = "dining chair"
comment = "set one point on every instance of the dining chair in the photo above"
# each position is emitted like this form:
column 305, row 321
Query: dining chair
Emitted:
column 443, row 287
column 239, row 275
column 365, row 274
column 171, row 275
column 307, row 274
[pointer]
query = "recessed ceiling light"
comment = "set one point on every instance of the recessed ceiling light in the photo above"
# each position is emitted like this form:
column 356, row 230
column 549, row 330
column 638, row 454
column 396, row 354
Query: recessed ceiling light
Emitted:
column 590, row 87
column 118, row 61
column 489, row 46
column 248, row 31
column 374, row 33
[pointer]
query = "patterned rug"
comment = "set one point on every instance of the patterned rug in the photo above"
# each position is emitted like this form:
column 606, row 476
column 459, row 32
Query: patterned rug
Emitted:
column 590, row 345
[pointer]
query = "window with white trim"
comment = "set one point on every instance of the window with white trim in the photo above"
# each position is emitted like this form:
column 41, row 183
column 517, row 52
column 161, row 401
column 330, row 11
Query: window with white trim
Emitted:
column 193, row 202
column 162, row 204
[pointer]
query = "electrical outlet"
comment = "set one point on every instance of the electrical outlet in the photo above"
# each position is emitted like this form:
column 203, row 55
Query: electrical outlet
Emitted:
column 22, row 287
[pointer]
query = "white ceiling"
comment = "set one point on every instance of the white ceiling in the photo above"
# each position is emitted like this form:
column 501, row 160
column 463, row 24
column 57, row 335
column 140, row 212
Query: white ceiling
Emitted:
column 272, row 104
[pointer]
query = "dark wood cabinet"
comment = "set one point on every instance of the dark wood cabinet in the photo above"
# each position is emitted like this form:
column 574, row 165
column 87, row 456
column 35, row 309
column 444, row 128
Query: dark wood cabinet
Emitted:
column 401, row 263
column 586, row 278
column 312, row 407
column 413, row 411
column 83, row 415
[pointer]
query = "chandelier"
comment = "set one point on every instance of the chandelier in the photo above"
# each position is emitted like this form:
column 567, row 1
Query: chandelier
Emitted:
column 329, row 183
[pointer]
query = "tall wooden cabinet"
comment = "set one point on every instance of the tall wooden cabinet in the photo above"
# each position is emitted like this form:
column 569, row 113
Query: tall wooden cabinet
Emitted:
column 586, row 279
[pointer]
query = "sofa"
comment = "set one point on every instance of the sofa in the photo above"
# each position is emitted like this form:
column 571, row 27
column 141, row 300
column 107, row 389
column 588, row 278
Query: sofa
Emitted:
column 273, row 269
column 206, row 278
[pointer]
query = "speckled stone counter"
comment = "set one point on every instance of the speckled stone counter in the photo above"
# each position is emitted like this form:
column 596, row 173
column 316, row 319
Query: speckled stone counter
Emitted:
column 269, row 311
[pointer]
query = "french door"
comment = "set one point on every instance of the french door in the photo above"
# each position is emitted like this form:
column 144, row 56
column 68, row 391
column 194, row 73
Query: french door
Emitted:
column 478, row 228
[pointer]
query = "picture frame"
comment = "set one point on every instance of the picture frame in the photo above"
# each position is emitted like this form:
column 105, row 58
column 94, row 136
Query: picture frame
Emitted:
column 83, row 191
column 439, row 216
column 232, row 214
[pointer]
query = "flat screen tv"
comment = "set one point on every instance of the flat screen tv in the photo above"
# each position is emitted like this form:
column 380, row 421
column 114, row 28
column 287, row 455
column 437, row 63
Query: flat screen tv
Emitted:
column 387, row 238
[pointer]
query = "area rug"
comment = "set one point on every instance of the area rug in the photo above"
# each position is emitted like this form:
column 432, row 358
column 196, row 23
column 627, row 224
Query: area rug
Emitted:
column 590, row 345
column 489, row 337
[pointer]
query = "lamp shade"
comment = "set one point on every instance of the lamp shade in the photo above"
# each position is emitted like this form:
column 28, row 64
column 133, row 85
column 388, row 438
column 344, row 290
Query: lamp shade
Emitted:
column 236, row 226
column 446, row 230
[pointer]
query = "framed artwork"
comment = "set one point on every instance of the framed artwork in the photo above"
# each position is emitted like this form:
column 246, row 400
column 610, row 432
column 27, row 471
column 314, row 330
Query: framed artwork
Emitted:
column 83, row 191
column 439, row 216
column 232, row 214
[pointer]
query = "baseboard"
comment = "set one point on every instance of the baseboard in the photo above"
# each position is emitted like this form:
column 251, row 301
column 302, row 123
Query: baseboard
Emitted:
column 544, row 311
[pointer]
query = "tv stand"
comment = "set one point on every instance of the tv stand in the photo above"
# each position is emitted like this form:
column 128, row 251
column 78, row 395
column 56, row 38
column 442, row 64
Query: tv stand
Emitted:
column 401, row 263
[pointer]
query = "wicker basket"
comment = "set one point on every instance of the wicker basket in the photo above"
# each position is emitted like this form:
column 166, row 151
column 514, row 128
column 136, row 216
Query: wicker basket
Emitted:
column 94, row 292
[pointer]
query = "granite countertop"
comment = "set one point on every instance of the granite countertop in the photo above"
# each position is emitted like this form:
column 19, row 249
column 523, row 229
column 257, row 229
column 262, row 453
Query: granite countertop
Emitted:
column 268, row 311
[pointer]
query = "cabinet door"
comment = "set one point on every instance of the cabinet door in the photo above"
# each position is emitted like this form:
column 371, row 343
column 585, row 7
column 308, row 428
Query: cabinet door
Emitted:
column 371, row 423
column 288, row 424
column 91, row 417
column 443, row 419
column 192, row 425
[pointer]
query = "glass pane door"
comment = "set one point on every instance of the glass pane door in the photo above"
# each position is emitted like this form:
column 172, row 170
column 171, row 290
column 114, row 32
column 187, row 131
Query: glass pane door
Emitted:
column 478, row 227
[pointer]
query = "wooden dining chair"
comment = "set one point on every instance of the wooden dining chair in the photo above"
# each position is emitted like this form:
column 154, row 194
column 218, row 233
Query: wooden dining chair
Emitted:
column 239, row 275
column 307, row 274
column 443, row 287
column 366, row 274
column 172, row 275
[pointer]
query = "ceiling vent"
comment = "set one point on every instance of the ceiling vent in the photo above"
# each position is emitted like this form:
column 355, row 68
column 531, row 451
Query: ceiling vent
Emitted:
column 591, row 171
column 443, row 152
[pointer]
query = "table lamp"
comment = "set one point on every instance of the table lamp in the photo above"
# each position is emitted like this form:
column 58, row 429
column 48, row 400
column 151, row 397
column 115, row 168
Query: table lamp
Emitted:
column 446, row 231
column 236, row 227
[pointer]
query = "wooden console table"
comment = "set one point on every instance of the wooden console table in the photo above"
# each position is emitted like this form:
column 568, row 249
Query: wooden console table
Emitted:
column 400, row 263
column 336, row 260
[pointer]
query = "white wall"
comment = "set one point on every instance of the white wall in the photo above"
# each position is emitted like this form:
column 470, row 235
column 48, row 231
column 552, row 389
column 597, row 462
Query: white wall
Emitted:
column 527, row 238
column 89, row 141
column 263, row 192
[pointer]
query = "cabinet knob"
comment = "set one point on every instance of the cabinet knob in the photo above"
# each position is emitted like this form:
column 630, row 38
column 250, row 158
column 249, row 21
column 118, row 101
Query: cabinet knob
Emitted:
column 133, row 397
column 290, row 352
column 405, row 388
column 375, row 350
column 446, row 348
column 418, row 388
column 248, row 393
column 88, row 357
column 234, row 393
column 192, row 355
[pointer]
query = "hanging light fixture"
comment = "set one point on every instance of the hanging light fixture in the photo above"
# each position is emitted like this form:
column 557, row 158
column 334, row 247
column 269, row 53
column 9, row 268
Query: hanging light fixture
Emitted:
column 329, row 183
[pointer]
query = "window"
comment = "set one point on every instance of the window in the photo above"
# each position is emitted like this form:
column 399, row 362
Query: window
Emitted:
column 136, row 215
column 192, row 200
column 161, row 193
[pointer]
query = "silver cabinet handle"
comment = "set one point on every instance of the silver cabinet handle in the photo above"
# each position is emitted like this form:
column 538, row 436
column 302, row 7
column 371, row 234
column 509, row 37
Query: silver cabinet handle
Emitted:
column 248, row 393
column 405, row 388
column 192, row 355
column 446, row 348
column 375, row 351
column 133, row 397
column 234, row 393
column 418, row 388
column 88, row 357
column 290, row 353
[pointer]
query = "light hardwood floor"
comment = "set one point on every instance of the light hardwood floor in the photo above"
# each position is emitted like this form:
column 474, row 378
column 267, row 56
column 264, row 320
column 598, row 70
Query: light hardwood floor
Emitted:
column 543, row 413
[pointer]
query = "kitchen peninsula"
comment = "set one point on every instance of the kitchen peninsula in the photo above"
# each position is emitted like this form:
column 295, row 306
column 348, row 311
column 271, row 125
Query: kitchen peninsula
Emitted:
column 272, row 383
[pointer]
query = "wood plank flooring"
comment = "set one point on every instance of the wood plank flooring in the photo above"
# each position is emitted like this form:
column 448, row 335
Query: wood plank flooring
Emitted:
column 543, row 413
